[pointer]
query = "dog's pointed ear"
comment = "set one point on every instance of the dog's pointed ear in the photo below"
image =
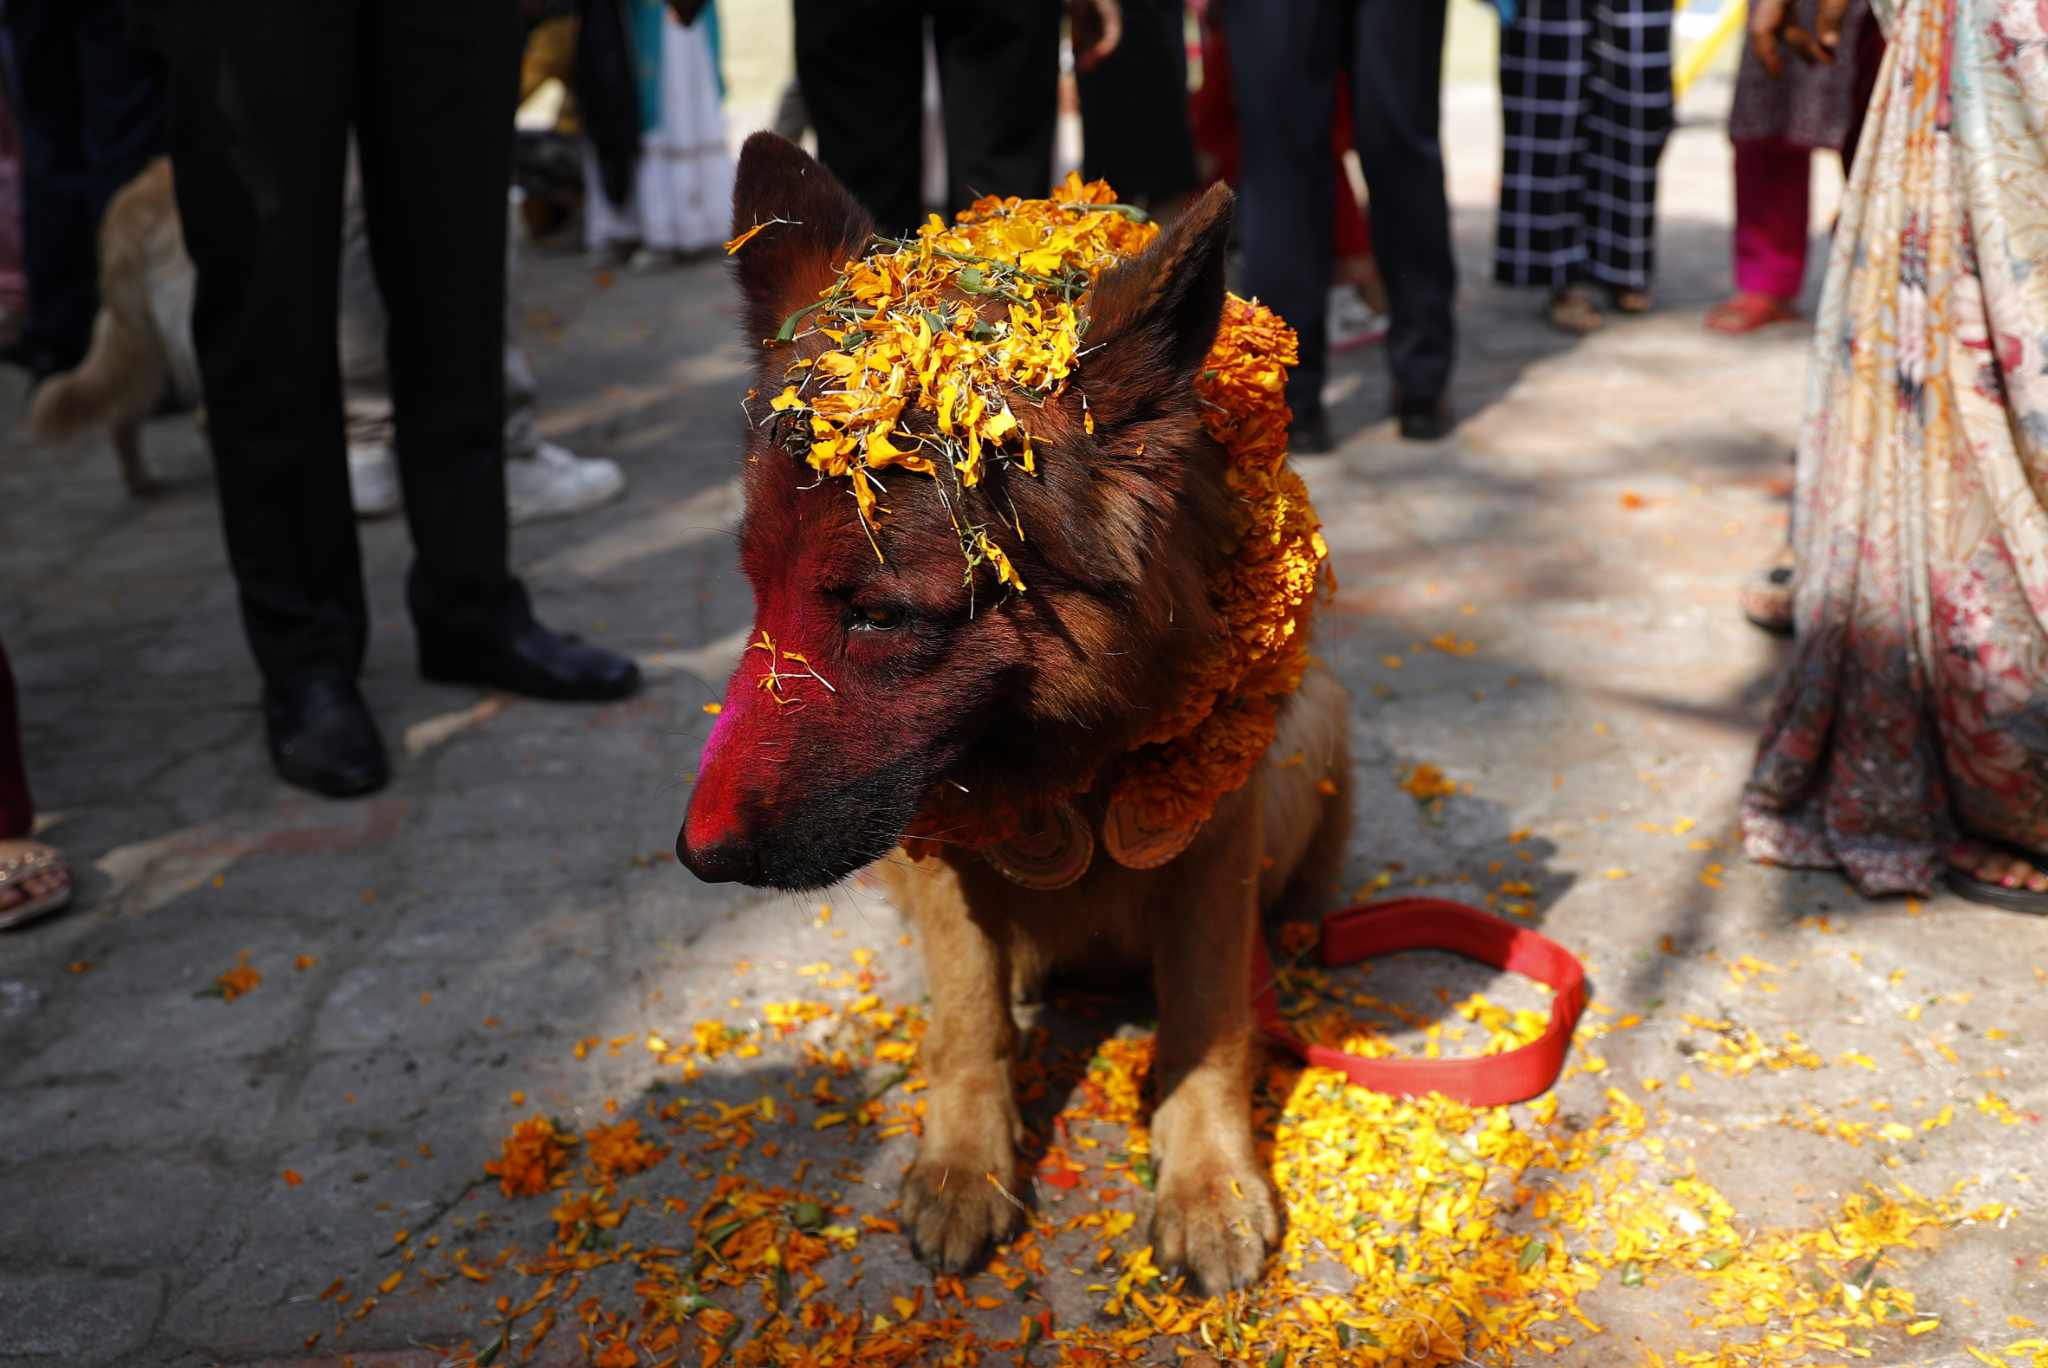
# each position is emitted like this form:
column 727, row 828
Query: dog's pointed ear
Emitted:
column 799, row 224
column 1154, row 317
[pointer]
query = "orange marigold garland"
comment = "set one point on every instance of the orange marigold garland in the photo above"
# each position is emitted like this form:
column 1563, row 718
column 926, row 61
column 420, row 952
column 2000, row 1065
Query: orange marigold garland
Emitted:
column 1206, row 746
column 903, row 341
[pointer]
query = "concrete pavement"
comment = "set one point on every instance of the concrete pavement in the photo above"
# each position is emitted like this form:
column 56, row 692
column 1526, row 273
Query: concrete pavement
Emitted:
column 504, row 934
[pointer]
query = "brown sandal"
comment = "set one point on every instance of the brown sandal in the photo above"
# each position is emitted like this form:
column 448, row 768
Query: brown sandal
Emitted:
column 1572, row 310
column 1767, row 598
column 1748, row 311
column 1632, row 302
column 34, row 882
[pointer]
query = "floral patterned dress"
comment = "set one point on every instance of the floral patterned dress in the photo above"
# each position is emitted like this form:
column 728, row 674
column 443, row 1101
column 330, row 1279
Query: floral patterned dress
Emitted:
column 1916, row 708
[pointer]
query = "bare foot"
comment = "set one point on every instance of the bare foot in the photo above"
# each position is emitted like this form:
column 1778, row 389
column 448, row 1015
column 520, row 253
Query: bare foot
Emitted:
column 1993, row 865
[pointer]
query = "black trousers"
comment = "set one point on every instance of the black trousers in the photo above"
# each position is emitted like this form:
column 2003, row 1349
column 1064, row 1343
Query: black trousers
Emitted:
column 1285, row 56
column 264, row 95
column 1134, row 108
column 860, row 64
column 89, row 101
column 1586, row 107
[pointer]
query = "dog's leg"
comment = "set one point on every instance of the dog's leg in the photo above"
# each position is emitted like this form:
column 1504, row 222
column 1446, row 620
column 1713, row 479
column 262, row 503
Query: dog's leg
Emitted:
column 962, row 1193
column 128, row 450
column 1215, row 1214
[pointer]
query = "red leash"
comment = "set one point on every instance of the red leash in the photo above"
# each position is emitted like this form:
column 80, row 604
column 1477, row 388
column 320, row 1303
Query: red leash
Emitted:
column 1398, row 924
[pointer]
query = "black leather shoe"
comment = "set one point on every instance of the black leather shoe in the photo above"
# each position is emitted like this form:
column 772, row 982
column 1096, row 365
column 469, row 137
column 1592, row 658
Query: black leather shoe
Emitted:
column 322, row 737
column 1309, row 435
column 531, row 661
column 1424, row 420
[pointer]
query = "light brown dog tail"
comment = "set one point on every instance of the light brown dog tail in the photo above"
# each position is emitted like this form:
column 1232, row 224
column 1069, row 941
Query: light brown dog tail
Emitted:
column 119, row 382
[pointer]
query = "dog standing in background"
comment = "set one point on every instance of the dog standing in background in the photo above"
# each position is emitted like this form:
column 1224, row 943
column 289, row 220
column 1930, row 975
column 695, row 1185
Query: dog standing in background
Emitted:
column 142, row 339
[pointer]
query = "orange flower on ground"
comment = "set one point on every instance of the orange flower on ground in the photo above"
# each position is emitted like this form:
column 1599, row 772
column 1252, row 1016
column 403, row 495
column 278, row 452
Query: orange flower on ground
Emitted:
column 739, row 1260
column 1426, row 781
column 237, row 981
column 534, row 1156
column 618, row 1150
column 579, row 1214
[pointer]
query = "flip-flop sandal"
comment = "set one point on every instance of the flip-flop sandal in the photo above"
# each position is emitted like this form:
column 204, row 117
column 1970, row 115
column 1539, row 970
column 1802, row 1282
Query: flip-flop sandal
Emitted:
column 1976, row 890
column 29, row 860
column 1573, row 311
column 1767, row 598
column 1749, row 311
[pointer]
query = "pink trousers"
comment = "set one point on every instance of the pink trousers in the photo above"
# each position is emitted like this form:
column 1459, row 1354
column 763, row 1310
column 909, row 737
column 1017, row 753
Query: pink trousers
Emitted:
column 1771, row 208
column 1771, row 200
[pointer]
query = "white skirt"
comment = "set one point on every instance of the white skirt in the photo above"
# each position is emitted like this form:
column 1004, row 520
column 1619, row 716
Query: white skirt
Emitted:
column 682, row 193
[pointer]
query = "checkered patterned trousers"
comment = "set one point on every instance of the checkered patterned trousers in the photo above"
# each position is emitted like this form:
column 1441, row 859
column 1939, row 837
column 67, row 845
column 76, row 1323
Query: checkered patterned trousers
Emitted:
column 1585, row 92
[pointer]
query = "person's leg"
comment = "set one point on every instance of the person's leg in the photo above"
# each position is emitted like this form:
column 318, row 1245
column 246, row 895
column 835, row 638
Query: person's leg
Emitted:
column 861, row 70
column 126, row 107
column 542, row 478
column 17, row 805
column 1283, row 66
column 92, row 115
column 434, row 100
column 1134, row 109
column 1539, row 232
column 1771, row 205
column 1869, row 56
column 1397, row 107
column 1626, row 128
column 34, row 880
column 1350, row 235
column 58, row 258
column 260, row 121
column 999, row 77
column 365, row 380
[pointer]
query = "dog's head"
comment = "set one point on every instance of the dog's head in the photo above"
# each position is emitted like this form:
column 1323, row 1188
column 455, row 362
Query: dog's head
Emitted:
column 875, row 681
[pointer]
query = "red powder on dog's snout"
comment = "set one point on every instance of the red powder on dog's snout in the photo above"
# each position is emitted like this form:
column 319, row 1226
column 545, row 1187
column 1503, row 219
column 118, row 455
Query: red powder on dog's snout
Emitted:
column 721, row 732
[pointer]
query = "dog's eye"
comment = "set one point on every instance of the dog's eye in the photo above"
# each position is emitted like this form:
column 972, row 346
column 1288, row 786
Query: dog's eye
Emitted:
column 877, row 619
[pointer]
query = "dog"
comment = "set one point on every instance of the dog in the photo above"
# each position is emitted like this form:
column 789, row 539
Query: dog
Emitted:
column 932, row 694
column 142, row 336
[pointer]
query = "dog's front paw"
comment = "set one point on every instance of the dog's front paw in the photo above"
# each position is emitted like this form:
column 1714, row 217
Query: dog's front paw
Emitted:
column 1216, row 1220
column 956, row 1208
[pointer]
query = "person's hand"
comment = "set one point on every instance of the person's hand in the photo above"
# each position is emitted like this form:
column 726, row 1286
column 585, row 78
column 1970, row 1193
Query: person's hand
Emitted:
column 1098, row 26
column 1773, row 21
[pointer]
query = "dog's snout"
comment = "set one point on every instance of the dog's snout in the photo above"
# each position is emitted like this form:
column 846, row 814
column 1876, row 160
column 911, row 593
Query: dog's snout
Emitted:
column 721, row 861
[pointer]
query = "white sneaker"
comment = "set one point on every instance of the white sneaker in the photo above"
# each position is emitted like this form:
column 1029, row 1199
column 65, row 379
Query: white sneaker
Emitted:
column 555, row 483
column 1353, row 322
column 373, row 481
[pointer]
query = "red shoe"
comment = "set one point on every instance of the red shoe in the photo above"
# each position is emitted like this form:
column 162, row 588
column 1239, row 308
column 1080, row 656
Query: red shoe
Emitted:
column 1748, row 311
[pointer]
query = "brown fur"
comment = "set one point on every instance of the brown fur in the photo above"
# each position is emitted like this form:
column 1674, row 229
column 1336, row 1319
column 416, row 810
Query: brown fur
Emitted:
column 976, row 699
column 1188, row 927
column 134, row 350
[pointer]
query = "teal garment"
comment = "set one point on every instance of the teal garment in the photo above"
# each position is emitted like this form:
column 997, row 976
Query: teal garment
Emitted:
column 709, row 21
column 646, row 18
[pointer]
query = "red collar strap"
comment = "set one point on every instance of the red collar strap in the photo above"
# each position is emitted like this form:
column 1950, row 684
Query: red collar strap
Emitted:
column 1399, row 924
